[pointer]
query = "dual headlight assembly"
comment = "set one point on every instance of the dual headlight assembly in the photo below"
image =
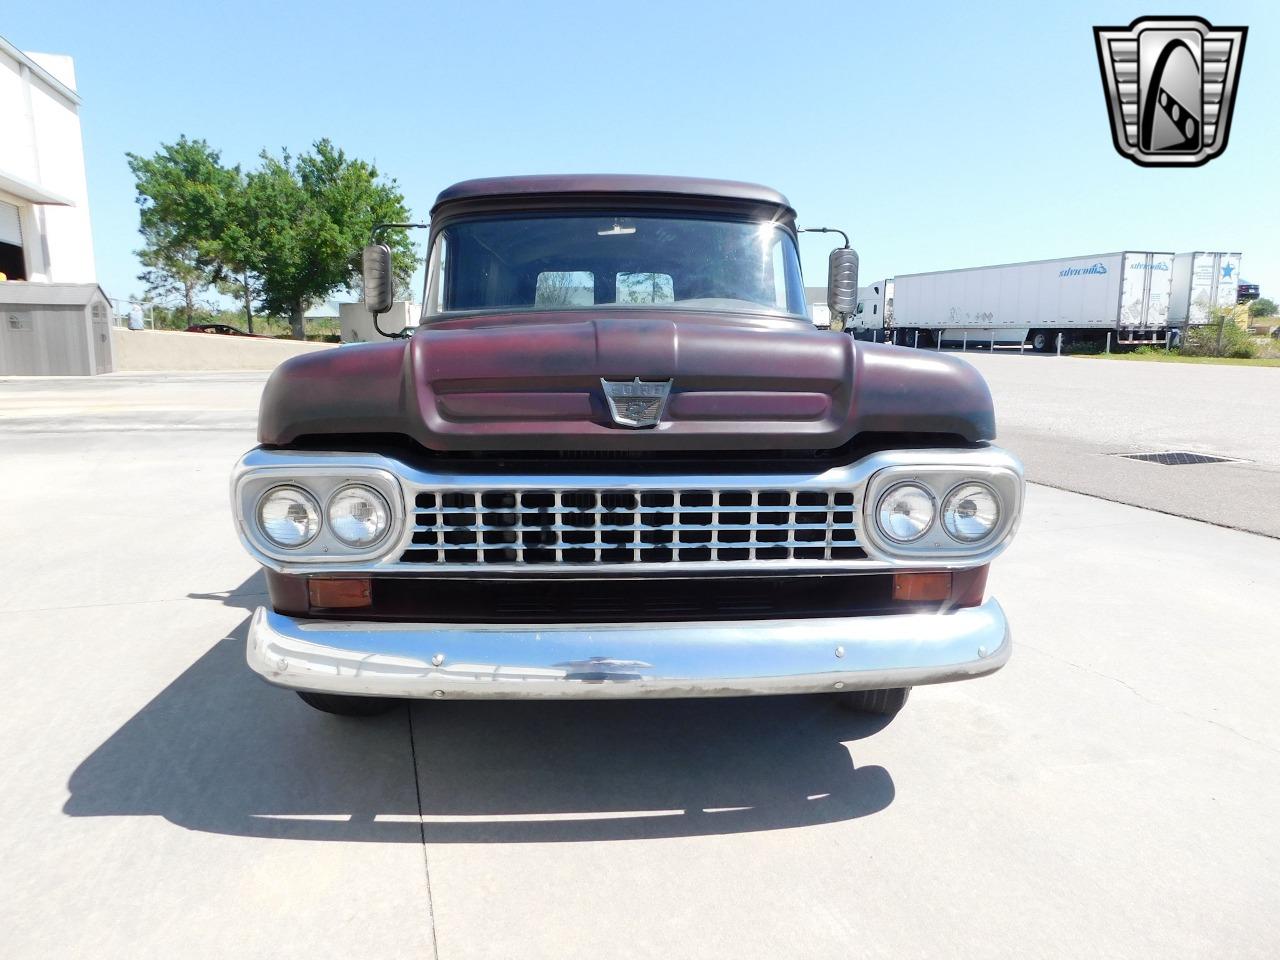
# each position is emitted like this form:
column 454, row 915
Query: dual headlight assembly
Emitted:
column 940, row 511
column 357, row 515
column 319, row 516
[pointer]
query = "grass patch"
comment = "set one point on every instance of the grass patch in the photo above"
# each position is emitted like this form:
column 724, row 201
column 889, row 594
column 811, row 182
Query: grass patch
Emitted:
column 1160, row 356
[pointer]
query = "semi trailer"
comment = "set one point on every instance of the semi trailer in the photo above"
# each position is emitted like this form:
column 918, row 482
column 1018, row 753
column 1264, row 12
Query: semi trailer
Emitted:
column 1202, row 281
column 1123, row 294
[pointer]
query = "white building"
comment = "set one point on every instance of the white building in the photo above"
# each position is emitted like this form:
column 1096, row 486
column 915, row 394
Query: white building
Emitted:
column 357, row 322
column 44, row 201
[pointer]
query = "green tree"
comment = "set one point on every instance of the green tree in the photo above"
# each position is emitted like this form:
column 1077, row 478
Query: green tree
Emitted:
column 305, row 220
column 184, row 193
column 1262, row 307
column 239, row 250
column 283, row 237
column 173, row 273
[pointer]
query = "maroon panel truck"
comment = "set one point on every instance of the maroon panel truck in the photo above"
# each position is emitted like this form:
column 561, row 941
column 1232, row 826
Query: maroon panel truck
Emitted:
column 616, row 459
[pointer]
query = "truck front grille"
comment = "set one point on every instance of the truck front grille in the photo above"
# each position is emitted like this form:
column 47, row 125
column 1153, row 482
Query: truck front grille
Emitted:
column 583, row 527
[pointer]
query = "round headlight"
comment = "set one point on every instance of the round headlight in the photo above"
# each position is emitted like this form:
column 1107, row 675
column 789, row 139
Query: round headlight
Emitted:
column 970, row 512
column 359, row 516
column 288, row 516
column 905, row 513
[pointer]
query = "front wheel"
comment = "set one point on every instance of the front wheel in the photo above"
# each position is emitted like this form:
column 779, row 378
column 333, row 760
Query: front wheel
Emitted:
column 344, row 706
column 884, row 703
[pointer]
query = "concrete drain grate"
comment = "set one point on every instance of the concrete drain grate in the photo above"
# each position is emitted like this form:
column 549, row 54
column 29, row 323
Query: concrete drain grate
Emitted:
column 1177, row 458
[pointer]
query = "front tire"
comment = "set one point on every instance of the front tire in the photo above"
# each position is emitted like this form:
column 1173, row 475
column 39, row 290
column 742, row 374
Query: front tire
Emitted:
column 883, row 703
column 344, row 706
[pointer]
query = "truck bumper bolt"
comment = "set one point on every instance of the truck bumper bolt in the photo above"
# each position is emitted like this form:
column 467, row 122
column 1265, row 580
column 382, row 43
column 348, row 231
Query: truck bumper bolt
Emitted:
column 282, row 664
column 839, row 684
column 438, row 694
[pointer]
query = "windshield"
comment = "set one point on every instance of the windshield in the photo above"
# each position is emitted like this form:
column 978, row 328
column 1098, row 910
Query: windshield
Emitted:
column 566, row 262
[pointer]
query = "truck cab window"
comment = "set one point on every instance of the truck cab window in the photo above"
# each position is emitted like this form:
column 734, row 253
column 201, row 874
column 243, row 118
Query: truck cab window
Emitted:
column 565, row 288
column 644, row 288
column 573, row 261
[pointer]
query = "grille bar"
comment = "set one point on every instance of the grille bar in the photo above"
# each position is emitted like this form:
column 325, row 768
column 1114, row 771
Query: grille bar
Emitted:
column 674, row 545
column 560, row 527
column 609, row 511
column 593, row 526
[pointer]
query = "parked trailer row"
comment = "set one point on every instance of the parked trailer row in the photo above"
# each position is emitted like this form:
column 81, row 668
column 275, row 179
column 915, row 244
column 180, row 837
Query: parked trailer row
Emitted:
column 1126, row 298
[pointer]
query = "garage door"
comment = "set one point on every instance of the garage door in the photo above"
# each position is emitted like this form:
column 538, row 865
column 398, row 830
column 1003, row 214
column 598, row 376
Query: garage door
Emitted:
column 10, row 227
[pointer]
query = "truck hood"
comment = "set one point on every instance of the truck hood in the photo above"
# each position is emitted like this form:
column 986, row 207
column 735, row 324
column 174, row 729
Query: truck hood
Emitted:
column 533, row 382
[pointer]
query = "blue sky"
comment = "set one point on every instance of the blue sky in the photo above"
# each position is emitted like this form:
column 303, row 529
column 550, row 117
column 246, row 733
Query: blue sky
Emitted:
column 939, row 136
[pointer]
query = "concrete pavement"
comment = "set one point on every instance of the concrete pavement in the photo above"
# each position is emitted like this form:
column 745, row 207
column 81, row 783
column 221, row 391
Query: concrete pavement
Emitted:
column 1069, row 419
column 1109, row 793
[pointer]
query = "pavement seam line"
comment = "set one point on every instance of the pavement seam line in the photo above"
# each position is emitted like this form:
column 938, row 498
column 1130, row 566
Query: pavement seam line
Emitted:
column 1147, row 700
column 1141, row 506
column 422, row 831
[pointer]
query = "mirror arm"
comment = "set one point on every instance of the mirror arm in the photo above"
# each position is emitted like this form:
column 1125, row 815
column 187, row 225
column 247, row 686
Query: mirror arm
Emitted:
column 378, row 228
column 824, row 230
column 399, row 335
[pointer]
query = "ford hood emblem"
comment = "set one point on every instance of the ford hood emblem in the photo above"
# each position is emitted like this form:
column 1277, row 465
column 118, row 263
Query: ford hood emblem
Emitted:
column 636, row 403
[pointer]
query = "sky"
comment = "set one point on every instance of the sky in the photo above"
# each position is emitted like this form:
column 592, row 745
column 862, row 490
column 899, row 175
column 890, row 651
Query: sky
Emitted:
column 940, row 136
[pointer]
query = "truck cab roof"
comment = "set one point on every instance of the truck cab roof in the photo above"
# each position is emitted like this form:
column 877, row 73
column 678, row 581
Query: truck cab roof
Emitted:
column 556, row 190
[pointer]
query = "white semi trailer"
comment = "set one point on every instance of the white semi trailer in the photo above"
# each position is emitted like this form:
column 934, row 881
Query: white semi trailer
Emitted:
column 1125, row 294
column 1202, row 281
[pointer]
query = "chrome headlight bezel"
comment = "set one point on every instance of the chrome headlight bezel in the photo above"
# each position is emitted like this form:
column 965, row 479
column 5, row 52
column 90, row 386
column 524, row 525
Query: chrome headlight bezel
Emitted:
column 945, row 504
column 306, row 496
column 941, row 481
column 322, row 484
column 894, row 488
column 329, row 521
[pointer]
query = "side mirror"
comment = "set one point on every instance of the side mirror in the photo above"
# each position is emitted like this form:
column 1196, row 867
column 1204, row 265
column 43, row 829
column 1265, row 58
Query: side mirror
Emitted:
column 842, row 281
column 379, row 284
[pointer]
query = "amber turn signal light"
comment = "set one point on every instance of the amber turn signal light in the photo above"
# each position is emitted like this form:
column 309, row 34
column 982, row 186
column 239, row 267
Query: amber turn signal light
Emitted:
column 335, row 594
column 921, row 586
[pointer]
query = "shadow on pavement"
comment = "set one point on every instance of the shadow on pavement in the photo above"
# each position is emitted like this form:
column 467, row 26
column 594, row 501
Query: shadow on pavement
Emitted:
column 220, row 751
column 514, row 771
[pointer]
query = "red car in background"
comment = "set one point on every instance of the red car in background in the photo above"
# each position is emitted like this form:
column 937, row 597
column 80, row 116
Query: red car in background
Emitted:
column 225, row 329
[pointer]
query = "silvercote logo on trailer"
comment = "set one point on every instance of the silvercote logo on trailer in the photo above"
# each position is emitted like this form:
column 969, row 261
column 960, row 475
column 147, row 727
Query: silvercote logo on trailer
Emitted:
column 1082, row 271
column 1170, row 84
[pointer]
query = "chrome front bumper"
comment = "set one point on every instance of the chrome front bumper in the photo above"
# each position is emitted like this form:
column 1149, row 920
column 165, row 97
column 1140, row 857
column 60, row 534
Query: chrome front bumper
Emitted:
column 729, row 658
